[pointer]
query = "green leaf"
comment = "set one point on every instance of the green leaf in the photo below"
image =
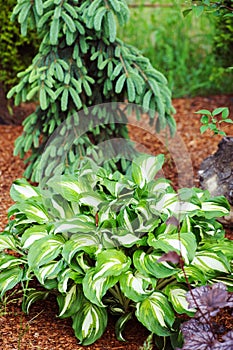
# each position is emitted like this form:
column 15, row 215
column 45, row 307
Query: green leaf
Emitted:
column 207, row 261
column 135, row 286
column 66, row 276
column 89, row 323
column 67, row 302
column 225, row 113
column 69, row 187
column 8, row 261
column 7, row 241
column 130, row 89
column 148, row 265
column 9, row 278
column 39, row 7
column 21, row 190
column 86, row 242
column 111, row 26
column 183, row 243
column 82, row 223
column 120, row 83
column 203, row 111
column 99, row 17
column 203, row 128
column 120, row 325
column 219, row 110
column 204, row 119
column 177, row 296
column 32, row 234
column 111, row 262
column 215, row 207
column 32, row 297
column 34, row 211
column 95, row 288
column 44, row 250
column 49, row 271
column 54, row 31
column 44, row 101
column 145, row 167
column 156, row 314
column 198, row 10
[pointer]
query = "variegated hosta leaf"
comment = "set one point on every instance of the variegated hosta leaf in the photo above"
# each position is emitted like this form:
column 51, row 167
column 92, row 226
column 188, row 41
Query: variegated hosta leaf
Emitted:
column 120, row 325
column 177, row 296
column 208, row 262
column 184, row 243
column 9, row 278
column 32, row 234
column 170, row 203
column 91, row 198
column 215, row 207
column 21, row 190
column 224, row 246
column 148, row 265
column 32, row 297
column 86, row 242
column 71, row 302
column 45, row 250
column 127, row 219
column 115, row 186
column 9, row 261
column 82, row 223
column 156, row 314
column 195, row 275
column 145, row 167
column 59, row 207
column 34, row 211
column 135, row 286
column 126, row 239
column 50, row 271
column 69, row 187
column 66, row 275
column 7, row 241
column 95, row 288
column 111, row 262
column 89, row 322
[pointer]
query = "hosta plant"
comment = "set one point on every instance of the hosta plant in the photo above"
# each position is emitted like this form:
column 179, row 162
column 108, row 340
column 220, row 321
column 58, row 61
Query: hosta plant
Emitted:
column 100, row 242
column 82, row 63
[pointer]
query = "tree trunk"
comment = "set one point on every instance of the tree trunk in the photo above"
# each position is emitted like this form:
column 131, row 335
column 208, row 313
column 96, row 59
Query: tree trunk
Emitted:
column 216, row 173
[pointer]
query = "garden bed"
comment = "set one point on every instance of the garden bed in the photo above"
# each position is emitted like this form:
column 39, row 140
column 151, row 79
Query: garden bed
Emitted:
column 41, row 329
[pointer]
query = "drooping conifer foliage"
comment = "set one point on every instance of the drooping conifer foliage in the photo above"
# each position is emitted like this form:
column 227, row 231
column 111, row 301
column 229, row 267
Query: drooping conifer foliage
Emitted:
column 82, row 63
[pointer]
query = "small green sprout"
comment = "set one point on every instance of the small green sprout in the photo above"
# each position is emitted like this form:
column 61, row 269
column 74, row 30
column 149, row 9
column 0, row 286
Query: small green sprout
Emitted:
column 213, row 120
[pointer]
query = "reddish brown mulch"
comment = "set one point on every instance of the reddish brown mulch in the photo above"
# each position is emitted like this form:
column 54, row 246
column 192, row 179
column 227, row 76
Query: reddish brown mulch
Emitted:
column 42, row 329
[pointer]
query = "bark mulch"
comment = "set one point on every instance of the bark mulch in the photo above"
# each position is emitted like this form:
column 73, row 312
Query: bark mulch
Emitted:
column 41, row 329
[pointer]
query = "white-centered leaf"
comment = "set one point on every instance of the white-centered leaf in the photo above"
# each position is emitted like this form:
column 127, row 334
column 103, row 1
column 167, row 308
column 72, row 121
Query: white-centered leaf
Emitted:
column 156, row 314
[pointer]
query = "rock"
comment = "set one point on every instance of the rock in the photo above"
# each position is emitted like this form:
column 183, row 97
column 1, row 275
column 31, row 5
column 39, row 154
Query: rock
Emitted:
column 216, row 174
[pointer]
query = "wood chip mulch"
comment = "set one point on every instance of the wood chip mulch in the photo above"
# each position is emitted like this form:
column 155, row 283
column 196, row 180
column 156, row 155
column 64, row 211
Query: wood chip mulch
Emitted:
column 41, row 329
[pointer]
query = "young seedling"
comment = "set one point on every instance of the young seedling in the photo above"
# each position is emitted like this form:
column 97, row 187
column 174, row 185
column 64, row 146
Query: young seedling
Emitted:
column 213, row 120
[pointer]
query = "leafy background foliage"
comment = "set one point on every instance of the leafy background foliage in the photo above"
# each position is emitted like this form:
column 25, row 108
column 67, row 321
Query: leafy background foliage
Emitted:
column 13, row 47
column 95, row 239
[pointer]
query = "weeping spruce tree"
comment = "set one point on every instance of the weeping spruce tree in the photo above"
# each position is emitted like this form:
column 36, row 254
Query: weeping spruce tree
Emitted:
column 82, row 63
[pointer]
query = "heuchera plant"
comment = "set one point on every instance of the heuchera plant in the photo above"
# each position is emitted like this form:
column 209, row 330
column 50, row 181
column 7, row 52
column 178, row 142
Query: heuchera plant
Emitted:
column 202, row 332
column 95, row 239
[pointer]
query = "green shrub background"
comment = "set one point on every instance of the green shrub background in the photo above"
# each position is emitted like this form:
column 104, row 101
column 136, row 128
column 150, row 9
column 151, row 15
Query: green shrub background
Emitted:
column 16, row 51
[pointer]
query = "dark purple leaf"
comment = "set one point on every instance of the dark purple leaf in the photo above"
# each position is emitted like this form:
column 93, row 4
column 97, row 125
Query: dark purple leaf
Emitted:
column 208, row 298
column 172, row 221
column 200, row 341
column 171, row 257
column 194, row 326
